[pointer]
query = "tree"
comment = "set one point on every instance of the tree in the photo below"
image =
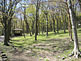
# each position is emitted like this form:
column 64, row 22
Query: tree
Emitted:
column 31, row 12
column 76, row 51
column 46, row 14
column 69, row 23
column 37, row 18
column 64, row 24
column 53, row 18
column 57, row 21
column 79, row 3
column 26, row 22
column 7, row 9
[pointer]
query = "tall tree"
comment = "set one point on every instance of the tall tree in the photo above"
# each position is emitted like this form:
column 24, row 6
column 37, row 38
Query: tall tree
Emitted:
column 57, row 21
column 53, row 18
column 73, row 21
column 37, row 18
column 7, row 8
column 46, row 13
column 64, row 24
column 26, row 22
column 69, row 23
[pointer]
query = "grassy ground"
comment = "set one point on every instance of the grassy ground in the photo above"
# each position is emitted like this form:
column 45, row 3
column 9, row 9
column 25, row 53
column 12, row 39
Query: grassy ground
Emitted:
column 29, row 40
column 55, row 47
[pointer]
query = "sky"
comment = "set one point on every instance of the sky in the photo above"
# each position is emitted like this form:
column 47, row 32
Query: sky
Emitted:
column 29, row 1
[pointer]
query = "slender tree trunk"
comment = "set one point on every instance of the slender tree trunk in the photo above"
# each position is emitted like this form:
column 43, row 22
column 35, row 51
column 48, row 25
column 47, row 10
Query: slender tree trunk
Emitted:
column 60, row 24
column 32, row 27
column 53, row 24
column 57, row 27
column 36, row 22
column 69, row 25
column 21, row 22
column 50, row 26
column 25, row 19
column 27, row 27
column 38, row 28
column 43, row 27
column 30, row 33
column 69, row 28
column 46, row 25
column 23, row 30
column 73, row 21
column 64, row 24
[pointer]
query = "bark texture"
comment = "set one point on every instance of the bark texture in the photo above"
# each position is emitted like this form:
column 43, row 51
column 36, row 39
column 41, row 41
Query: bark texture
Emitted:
column 73, row 22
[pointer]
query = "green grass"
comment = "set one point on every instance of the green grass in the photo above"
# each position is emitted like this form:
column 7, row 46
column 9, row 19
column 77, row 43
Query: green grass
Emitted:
column 29, row 40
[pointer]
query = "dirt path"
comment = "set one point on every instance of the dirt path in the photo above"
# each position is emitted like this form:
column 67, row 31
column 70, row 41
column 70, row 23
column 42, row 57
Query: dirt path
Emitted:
column 46, row 51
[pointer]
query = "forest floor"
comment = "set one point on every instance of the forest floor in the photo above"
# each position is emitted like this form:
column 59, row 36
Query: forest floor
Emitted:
column 55, row 47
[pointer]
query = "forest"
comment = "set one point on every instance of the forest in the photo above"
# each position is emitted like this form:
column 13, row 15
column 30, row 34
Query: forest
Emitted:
column 40, row 30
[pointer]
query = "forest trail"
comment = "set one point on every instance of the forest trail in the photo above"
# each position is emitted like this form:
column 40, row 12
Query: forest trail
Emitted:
column 55, row 50
column 45, row 51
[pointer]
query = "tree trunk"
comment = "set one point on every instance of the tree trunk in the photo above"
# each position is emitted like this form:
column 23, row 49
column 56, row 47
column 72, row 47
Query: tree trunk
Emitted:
column 6, row 39
column 50, row 26
column 27, row 27
column 57, row 27
column 9, row 28
column 36, row 21
column 69, row 28
column 5, row 18
column 69, row 25
column 64, row 24
column 42, row 28
column 73, row 21
column 53, row 24
column 25, row 19
column 38, row 28
column 46, row 25
column 33, row 28
column 60, row 24
column 23, row 30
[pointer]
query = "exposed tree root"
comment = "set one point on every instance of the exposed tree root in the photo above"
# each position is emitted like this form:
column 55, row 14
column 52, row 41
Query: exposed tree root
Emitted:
column 7, row 44
column 76, row 53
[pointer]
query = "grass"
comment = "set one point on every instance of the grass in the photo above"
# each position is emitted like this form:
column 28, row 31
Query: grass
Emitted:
column 53, row 40
column 22, row 42
column 29, row 40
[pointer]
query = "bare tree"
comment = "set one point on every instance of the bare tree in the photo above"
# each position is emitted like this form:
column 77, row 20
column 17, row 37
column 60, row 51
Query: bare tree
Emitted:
column 8, row 10
column 37, row 18
column 73, row 21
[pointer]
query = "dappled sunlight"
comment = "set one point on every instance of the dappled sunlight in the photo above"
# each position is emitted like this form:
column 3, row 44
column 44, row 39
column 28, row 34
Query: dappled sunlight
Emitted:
column 40, row 30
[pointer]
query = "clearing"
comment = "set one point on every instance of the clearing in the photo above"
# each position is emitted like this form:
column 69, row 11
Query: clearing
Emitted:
column 55, row 47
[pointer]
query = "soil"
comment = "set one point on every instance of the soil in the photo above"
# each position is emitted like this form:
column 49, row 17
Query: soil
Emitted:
column 50, row 50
